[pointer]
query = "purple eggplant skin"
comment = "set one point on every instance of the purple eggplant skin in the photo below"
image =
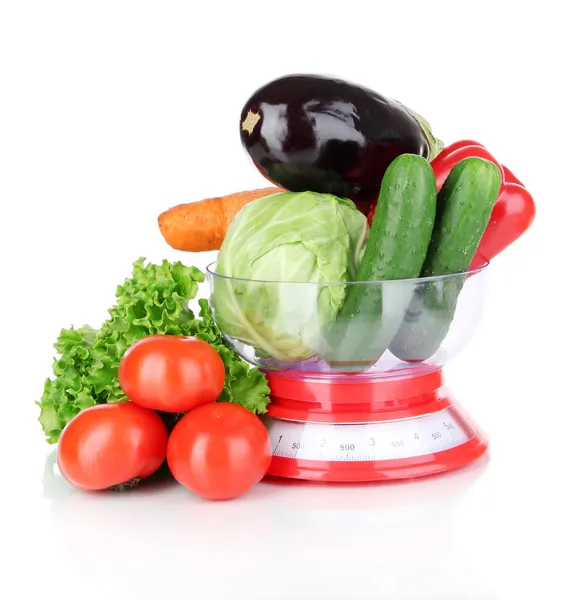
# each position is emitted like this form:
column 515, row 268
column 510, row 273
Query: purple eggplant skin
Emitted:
column 310, row 132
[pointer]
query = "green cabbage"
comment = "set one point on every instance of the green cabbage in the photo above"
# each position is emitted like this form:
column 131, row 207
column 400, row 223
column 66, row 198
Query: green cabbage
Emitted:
column 295, row 238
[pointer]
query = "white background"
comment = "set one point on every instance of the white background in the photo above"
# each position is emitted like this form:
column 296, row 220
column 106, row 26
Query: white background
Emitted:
column 110, row 112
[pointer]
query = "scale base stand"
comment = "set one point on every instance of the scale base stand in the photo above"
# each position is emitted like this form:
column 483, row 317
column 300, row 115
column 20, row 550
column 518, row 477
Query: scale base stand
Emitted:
column 367, row 428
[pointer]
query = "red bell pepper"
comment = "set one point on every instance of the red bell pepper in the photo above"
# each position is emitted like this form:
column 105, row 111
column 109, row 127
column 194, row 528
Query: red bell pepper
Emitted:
column 514, row 209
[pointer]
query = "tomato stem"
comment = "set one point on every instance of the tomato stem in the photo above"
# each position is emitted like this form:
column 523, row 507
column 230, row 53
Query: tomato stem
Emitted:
column 123, row 487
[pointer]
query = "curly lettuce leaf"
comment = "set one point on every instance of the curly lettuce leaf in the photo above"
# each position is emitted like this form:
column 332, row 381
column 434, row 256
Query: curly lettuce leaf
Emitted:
column 69, row 392
column 154, row 300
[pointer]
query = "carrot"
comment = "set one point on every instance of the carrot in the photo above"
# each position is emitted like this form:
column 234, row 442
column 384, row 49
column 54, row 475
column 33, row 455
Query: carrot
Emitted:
column 201, row 226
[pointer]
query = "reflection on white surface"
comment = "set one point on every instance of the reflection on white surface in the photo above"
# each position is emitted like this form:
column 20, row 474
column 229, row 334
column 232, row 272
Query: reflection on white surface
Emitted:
column 284, row 539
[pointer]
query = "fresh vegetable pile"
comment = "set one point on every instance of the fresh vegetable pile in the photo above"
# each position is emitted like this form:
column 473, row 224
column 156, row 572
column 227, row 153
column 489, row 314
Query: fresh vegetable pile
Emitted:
column 153, row 301
column 153, row 351
column 362, row 193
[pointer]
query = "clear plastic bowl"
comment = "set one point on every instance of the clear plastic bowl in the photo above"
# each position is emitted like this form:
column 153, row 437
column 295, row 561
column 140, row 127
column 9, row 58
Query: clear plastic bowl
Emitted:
column 406, row 325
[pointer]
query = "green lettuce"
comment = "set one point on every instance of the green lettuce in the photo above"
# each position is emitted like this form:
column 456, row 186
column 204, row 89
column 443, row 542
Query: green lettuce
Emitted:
column 153, row 301
column 274, row 249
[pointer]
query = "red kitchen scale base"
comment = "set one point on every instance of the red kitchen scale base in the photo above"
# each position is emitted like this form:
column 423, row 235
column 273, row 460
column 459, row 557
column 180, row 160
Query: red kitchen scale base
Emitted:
column 338, row 428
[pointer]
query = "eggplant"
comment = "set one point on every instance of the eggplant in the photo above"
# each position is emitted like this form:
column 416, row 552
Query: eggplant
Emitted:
column 310, row 132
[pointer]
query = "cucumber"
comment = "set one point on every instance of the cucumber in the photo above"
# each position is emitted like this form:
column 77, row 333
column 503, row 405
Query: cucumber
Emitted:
column 464, row 207
column 396, row 249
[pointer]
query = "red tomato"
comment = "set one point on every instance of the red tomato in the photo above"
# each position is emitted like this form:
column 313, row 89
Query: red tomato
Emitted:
column 219, row 451
column 110, row 444
column 171, row 373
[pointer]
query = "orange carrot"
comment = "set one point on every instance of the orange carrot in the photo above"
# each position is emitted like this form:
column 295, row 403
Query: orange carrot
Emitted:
column 201, row 226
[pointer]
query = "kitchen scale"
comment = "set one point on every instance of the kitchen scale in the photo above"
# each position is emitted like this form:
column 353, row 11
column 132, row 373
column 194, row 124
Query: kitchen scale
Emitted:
column 383, row 419
column 396, row 419
column 367, row 428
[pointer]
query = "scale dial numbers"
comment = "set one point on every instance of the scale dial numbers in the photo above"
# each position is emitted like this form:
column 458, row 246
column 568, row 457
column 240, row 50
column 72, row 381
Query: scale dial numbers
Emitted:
column 387, row 440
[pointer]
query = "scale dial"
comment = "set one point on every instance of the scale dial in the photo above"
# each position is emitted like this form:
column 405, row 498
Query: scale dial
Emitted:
column 385, row 440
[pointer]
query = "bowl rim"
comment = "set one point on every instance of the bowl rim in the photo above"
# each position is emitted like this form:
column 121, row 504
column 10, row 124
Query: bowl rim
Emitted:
column 417, row 280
